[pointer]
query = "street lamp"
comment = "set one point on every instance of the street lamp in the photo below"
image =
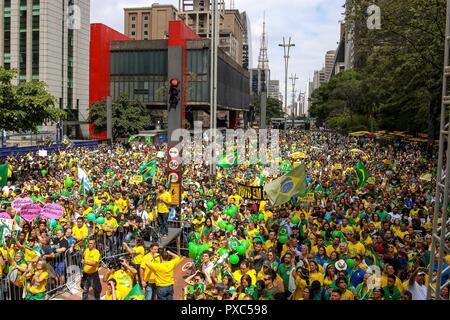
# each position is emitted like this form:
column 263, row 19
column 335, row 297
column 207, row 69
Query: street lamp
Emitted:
column 287, row 49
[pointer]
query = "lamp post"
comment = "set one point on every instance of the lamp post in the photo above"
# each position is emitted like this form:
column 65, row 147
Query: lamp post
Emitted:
column 287, row 49
column 293, row 78
column 213, row 88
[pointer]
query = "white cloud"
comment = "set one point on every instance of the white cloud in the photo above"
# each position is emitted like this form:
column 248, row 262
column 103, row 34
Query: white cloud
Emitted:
column 312, row 24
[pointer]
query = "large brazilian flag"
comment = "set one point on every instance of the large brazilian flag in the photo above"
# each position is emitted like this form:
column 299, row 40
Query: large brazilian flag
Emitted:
column 135, row 294
column 281, row 190
column 362, row 175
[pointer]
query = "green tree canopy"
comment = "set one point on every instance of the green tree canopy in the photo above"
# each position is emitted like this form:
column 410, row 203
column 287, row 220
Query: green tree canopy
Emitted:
column 25, row 106
column 129, row 117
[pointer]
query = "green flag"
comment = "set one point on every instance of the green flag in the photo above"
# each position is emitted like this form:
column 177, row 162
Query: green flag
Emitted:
column 148, row 169
column 284, row 188
column 361, row 174
column 319, row 189
column 229, row 160
column 286, row 166
column 350, row 180
column 132, row 138
column 3, row 174
column 135, row 293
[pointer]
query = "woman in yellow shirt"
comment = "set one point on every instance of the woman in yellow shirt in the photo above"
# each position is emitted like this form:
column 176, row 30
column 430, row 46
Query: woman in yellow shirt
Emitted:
column 38, row 283
column 314, row 272
column 330, row 276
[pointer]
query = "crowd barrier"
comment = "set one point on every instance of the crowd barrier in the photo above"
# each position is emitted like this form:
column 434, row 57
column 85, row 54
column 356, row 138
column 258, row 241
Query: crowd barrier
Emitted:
column 14, row 151
column 65, row 270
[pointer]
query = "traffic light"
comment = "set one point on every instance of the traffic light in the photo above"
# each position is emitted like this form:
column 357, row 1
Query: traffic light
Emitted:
column 174, row 93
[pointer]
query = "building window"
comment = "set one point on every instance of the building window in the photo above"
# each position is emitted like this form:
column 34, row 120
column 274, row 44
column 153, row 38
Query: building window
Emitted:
column 23, row 40
column 7, row 34
column 146, row 18
column 133, row 26
column 133, row 18
column 145, row 33
column 146, row 25
column 133, row 33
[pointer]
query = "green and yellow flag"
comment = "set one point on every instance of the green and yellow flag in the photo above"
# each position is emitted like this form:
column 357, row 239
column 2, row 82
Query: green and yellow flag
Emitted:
column 283, row 189
column 148, row 169
column 362, row 175
column 135, row 294
column 3, row 174
column 229, row 160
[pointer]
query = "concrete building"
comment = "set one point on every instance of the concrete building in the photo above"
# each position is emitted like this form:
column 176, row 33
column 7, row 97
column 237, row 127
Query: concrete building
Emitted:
column 48, row 40
column 330, row 57
column 259, row 78
column 319, row 78
column 197, row 15
column 274, row 89
column 149, row 23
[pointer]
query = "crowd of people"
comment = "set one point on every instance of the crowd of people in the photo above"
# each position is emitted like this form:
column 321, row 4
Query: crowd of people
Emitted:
column 341, row 243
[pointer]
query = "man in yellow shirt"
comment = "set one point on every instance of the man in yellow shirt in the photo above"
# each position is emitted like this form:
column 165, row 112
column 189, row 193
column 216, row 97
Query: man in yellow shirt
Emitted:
column 164, row 272
column 342, row 286
column 163, row 201
column 124, row 278
column 110, row 226
column 148, row 278
column 79, row 232
column 355, row 247
column 91, row 260
column 244, row 269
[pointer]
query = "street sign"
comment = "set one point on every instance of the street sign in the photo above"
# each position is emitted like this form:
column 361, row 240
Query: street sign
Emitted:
column 174, row 165
column 175, row 192
column 174, row 177
column 174, row 152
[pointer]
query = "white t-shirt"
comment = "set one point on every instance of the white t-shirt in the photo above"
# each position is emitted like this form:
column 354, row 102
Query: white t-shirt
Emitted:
column 418, row 292
column 143, row 215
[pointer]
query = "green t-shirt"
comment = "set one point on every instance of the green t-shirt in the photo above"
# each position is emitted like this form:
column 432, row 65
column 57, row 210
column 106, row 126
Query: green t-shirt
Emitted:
column 284, row 272
column 395, row 295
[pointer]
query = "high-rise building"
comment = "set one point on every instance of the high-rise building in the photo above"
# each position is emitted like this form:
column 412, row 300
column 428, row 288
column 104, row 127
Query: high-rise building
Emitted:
column 319, row 78
column 48, row 40
column 330, row 57
column 197, row 15
column 274, row 89
column 149, row 23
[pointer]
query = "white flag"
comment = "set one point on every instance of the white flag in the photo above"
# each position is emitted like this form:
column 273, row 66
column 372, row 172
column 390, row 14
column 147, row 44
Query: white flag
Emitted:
column 84, row 179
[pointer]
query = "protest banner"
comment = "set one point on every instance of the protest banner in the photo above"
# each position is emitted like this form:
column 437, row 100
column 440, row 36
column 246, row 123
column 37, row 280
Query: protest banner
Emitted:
column 309, row 197
column 18, row 203
column 252, row 193
column 53, row 211
column 30, row 212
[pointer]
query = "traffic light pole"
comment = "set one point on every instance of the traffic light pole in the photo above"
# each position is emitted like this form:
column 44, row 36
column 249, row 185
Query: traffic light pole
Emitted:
column 213, row 86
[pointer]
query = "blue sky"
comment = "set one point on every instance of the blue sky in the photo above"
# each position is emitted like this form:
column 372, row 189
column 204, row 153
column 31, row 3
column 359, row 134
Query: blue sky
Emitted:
column 312, row 24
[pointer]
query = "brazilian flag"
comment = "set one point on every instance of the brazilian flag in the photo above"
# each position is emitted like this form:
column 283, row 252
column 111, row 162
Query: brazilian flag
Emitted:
column 229, row 160
column 3, row 174
column 281, row 190
column 362, row 175
column 147, row 169
column 286, row 166
column 135, row 294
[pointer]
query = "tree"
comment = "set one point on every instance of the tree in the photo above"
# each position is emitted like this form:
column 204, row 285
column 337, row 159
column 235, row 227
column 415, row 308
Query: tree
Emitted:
column 129, row 117
column 274, row 108
column 25, row 106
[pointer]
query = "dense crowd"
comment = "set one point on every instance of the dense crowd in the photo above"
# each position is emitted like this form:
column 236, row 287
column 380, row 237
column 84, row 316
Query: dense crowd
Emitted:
column 343, row 243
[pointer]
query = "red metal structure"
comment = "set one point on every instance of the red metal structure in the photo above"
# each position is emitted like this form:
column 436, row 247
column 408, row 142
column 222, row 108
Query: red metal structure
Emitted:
column 179, row 34
column 101, row 37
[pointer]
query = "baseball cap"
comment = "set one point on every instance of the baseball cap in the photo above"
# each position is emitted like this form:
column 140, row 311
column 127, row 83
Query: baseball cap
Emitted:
column 421, row 273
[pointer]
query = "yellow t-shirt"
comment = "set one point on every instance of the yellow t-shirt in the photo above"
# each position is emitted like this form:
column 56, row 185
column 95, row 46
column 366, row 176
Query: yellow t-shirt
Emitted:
column 237, row 275
column 111, row 224
column 270, row 244
column 316, row 276
column 356, row 249
column 124, row 282
column 3, row 254
column 149, row 275
column 164, row 271
column 300, row 286
column 138, row 254
column 237, row 199
column 82, row 232
column 30, row 255
column 162, row 207
column 39, row 288
column 91, row 255
column 347, row 295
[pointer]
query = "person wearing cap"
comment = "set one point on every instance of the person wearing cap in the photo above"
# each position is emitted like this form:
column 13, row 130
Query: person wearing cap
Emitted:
column 417, row 285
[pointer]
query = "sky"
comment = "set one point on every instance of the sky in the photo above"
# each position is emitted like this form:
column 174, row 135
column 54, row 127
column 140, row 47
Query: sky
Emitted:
column 312, row 24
